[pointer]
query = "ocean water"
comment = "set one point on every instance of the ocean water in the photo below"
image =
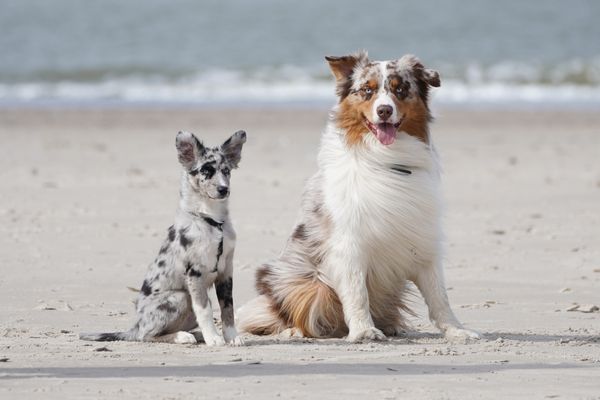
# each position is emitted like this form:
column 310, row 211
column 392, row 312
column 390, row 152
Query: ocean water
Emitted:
column 272, row 51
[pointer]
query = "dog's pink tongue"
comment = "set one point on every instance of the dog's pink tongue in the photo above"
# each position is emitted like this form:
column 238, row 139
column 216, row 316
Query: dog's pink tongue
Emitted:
column 386, row 133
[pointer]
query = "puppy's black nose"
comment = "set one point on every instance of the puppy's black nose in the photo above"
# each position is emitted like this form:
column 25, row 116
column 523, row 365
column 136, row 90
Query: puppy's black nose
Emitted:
column 223, row 190
column 384, row 112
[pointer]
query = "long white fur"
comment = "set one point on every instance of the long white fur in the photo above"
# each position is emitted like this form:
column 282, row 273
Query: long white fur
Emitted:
column 385, row 229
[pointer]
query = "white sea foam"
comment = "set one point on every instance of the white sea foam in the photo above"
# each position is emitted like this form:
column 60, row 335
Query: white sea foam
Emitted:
column 477, row 86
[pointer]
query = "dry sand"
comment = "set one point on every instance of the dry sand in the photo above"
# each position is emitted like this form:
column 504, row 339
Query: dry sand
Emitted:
column 87, row 195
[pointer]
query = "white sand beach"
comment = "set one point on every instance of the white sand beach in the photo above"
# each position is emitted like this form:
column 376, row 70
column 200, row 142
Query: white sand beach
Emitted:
column 87, row 196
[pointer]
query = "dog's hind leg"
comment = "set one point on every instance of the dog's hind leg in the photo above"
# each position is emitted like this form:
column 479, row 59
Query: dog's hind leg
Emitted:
column 180, row 337
column 164, row 317
column 158, row 314
column 430, row 281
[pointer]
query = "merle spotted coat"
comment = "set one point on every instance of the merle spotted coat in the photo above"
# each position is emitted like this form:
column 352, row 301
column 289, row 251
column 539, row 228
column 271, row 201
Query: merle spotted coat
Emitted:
column 173, row 302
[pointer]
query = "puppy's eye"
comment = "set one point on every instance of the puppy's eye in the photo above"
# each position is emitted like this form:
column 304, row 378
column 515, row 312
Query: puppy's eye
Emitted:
column 368, row 91
column 226, row 171
column 208, row 171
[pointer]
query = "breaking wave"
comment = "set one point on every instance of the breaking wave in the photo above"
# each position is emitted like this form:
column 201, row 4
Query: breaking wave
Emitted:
column 575, row 82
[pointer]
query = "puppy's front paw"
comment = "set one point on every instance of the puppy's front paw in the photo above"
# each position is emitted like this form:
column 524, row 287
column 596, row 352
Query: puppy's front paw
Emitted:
column 365, row 335
column 237, row 341
column 461, row 335
column 214, row 340
column 231, row 336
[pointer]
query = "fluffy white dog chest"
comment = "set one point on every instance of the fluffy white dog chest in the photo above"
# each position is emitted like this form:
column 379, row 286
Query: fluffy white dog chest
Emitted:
column 370, row 216
column 384, row 197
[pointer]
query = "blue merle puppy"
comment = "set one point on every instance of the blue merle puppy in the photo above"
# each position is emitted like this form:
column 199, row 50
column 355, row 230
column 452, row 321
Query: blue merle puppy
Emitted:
column 173, row 302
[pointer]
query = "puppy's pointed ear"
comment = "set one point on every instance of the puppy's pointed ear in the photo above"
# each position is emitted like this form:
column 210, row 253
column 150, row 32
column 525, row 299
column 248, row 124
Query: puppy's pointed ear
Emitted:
column 232, row 148
column 343, row 67
column 189, row 149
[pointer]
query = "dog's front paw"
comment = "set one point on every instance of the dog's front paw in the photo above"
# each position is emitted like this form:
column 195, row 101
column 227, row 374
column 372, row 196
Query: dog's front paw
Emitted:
column 184, row 338
column 236, row 342
column 231, row 336
column 291, row 333
column 394, row 331
column 214, row 340
column 364, row 335
column 461, row 335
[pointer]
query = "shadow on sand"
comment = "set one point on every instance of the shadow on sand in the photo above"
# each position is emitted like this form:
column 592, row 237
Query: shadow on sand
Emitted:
column 428, row 338
column 241, row 369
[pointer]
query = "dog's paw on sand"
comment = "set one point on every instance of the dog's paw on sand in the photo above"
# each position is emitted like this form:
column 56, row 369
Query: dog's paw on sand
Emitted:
column 236, row 342
column 461, row 335
column 231, row 337
column 365, row 335
column 291, row 333
column 184, row 338
column 394, row 331
column 214, row 341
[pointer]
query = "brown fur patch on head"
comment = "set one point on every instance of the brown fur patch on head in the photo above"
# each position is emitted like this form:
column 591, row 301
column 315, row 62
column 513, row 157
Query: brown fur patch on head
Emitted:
column 423, row 77
column 398, row 87
column 416, row 118
column 351, row 118
column 417, row 113
column 413, row 112
column 357, row 106
column 406, row 81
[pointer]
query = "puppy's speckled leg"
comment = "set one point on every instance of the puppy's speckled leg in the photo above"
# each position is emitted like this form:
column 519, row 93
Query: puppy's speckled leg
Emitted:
column 224, row 289
column 203, row 310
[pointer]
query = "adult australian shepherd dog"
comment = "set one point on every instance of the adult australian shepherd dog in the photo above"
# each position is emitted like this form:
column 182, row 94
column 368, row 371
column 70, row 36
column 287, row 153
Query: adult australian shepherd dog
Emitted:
column 370, row 217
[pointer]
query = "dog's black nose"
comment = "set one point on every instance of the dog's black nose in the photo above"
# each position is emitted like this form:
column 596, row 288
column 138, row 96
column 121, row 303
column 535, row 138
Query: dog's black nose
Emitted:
column 384, row 112
column 223, row 190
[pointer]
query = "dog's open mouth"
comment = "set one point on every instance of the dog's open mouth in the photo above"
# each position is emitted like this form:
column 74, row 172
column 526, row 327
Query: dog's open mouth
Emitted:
column 385, row 131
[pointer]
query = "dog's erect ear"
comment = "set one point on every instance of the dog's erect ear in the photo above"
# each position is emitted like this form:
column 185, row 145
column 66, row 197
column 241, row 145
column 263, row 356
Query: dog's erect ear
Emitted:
column 343, row 67
column 426, row 75
column 430, row 76
column 232, row 148
column 189, row 149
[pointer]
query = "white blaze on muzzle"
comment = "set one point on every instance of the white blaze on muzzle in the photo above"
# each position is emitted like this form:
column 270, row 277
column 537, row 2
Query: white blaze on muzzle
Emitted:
column 384, row 124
